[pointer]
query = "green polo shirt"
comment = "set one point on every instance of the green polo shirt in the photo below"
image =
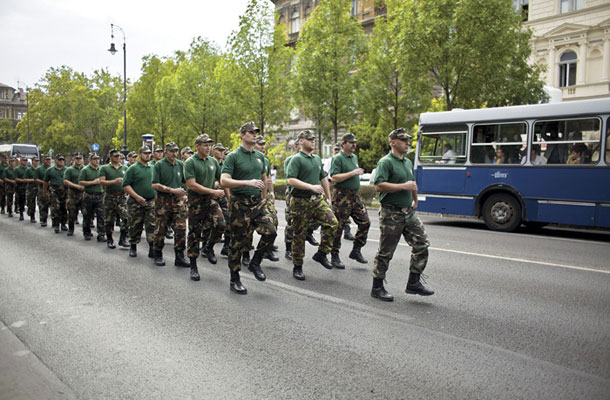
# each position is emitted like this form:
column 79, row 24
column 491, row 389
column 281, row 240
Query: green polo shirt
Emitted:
column 342, row 163
column 30, row 173
column 55, row 176
column 72, row 173
column 88, row 173
column 19, row 173
column 9, row 173
column 2, row 168
column 204, row 171
column 169, row 175
column 242, row 164
column 40, row 172
column 306, row 168
column 394, row 170
column 109, row 172
column 139, row 177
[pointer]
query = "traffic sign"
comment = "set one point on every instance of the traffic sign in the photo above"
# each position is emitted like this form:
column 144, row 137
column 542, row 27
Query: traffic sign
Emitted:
column 95, row 147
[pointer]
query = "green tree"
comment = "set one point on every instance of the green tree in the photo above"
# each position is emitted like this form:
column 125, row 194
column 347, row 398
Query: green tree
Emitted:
column 476, row 51
column 259, row 67
column 330, row 46
column 9, row 132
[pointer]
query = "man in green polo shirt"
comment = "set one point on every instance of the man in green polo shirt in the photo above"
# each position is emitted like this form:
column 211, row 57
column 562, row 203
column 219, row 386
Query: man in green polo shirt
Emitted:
column 74, row 198
column 345, row 176
column 93, row 198
column 157, row 155
column 21, row 187
column 3, row 166
column 9, row 184
column 270, row 198
column 54, row 188
column 202, row 172
column 43, row 198
column 243, row 171
column 170, row 205
column 115, row 203
column 137, row 182
column 31, row 189
column 311, row 197
column 398, row 197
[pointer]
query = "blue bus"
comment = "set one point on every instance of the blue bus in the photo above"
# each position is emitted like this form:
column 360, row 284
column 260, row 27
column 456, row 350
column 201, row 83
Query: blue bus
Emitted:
column 531, row 165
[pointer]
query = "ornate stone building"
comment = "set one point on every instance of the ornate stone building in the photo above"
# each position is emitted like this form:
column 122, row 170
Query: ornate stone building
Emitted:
column 12, row 103
column 572, row 38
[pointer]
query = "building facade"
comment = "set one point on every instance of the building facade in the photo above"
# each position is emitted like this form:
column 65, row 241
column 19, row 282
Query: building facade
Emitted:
column 572, row 39
column 12, row 103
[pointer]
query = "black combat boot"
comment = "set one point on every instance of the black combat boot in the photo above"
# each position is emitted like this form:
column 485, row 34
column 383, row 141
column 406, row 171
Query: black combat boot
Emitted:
column 122, row 242
column 194, row 271
column 297, row 273
column 379, row 291
column 110, row 241
column 43, row 224
column 312, row 240
column 55, row 228
column 335, row 261
column 322, row 259
column 70, row 228
column 236, row 285
column 414, row 286
column 225, row 250
column 133, row 250
column 245, row 259
column 64, row 228
column 32, row 219
column 270, row 255
column 159, row 261
column 255, row 266
column 347, row 235
column 208, row 252
column 288, row 253
column 20, row 215
column 151, row 250
column 100, row 238
column 357, row 255
column 180, row 261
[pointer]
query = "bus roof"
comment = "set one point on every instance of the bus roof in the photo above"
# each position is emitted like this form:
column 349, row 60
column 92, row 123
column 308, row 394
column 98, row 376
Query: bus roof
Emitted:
column 573, row 108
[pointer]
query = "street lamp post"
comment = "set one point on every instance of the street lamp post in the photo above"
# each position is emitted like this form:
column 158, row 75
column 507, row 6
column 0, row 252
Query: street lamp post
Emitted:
column 112, row 51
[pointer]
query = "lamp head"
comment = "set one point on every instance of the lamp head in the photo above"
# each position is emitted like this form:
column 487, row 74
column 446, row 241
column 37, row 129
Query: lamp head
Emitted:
column 112, row 49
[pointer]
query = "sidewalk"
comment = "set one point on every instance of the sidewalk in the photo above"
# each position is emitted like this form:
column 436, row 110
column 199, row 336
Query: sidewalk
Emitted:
column 23, row 376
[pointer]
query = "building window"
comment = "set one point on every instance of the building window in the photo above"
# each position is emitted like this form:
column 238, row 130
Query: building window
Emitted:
column 570, row 5
column 354, row 8
column 522, row 8
column 567, row 69
column 294, row 22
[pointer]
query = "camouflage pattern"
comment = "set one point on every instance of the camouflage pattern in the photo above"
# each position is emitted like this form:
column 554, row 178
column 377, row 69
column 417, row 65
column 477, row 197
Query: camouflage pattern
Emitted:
column 224, row 206
column 115, row 210
column 203, row 210
column 57, row 201
column 247, row 214
column 393, row 223
column 43, row 204
column 2, row 195
column 311, row 209
column 31, row 195
column 93, row 206
column 74, row 203
column 271, row 208
column 20, row 192
column 347, row 203
column 288, row 215
column 141, row 216
column 170, row 210
column 9, row 192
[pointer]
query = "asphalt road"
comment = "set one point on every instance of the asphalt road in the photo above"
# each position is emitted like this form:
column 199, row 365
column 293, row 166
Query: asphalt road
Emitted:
column 515, row 316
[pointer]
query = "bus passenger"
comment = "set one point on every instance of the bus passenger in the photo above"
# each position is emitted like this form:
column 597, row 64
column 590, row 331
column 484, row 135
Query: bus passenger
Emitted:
column 555, row 153
column 535, row 156
column 449, row 155
column 578, row 155
column 500, row 156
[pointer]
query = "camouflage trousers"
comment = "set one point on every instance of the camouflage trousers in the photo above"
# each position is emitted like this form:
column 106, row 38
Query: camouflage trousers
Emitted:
column 57, row 201
column 9, row 192
column 115, row 204
column 347, row 203
column 2, row 196
column 247, row 214
column 288, row 232
column 207, row 230
column 20, row 191
column 311, row 209
column 395, row 222
column 43, row 205
column 30, row 195
column 271, row 208
column 74, row 203
column 204, row 210
column 141, row 216
column 93, row 206
column 170, row 210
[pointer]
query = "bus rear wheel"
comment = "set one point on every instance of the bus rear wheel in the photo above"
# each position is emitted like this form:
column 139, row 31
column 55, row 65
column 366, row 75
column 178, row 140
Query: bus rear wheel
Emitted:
column 502, row 212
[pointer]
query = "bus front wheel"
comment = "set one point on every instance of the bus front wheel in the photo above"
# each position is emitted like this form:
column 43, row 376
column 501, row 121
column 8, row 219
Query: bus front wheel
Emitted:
column 502, row 212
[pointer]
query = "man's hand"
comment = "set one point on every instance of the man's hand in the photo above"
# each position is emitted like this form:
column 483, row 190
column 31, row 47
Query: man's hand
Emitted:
column 257, row 183
column 317, row 189
column 219, row 193
column 410, row 185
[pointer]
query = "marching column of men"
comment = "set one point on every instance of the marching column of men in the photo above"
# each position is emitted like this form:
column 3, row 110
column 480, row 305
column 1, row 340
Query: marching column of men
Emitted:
column 232, row 195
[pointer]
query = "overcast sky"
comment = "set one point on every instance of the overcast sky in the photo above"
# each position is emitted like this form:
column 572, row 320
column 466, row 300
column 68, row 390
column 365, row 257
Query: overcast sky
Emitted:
column 39, row 34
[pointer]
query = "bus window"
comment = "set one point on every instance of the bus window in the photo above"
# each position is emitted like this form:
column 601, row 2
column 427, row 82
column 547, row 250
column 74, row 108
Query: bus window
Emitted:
column 569, row 141
column 607, row 143
column 443, row 144
column 498, row 143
